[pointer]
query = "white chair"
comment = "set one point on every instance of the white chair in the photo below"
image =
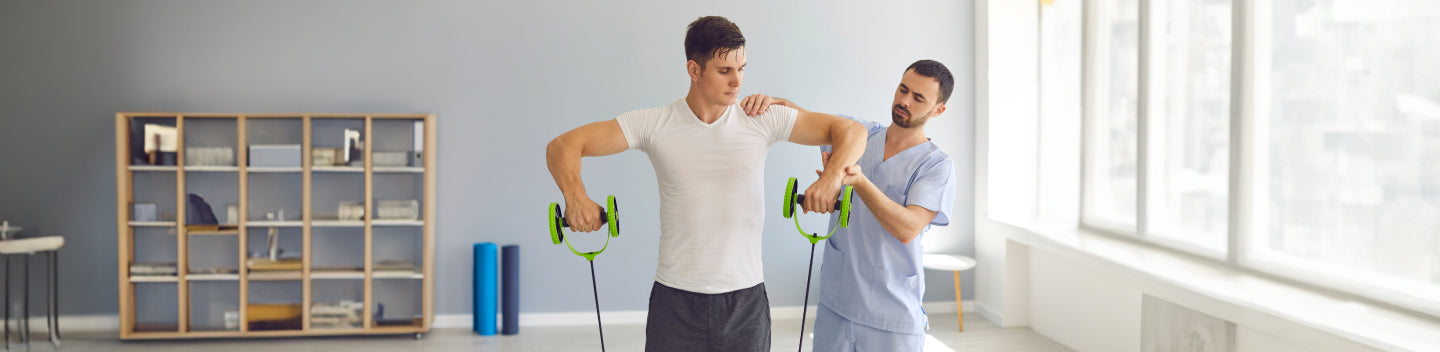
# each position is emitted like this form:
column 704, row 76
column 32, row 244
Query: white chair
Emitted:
column 955, row 263
column 28, row 247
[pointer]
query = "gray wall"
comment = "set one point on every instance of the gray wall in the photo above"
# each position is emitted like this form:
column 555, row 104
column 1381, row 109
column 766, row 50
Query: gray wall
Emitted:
column 504, row 78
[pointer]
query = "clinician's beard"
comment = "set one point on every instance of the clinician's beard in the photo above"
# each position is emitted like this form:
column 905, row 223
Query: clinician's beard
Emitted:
column 901, row 121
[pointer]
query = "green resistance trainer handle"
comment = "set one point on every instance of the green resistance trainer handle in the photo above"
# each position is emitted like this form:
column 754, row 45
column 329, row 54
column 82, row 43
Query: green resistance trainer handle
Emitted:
column 800, row 199
column 610, row 217
column 842, row 206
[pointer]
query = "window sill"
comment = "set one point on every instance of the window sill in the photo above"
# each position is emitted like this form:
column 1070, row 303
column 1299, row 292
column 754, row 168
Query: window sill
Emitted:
column 1365, row 323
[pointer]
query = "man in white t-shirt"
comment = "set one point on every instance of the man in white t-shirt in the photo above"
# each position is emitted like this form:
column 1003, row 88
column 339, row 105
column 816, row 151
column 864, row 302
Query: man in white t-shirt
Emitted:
column 709, row 292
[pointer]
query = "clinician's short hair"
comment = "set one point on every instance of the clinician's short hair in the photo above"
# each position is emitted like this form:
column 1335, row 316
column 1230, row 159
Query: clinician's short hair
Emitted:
column 935, row 69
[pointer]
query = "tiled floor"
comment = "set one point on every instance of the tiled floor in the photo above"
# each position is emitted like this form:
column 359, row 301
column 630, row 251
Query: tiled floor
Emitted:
column 979, row 335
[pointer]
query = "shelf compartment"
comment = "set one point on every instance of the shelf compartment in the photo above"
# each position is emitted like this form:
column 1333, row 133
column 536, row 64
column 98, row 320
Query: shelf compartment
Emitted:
column 274, row 305
column 398, row 144
column 134, row 131
column 221, row 191
column 274, row 199
column 337, row 304
column 397, row 253
column 213, row 258
column 340, row 248
column 155, row 191
column 211, row 143
column 330, row 134
column 155, row 307
column 397, row 303
column 214, row 305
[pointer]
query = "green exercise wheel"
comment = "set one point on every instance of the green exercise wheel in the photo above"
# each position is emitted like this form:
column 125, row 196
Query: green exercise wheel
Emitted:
column 610, row 216
column 787, row 209
column 792, row 198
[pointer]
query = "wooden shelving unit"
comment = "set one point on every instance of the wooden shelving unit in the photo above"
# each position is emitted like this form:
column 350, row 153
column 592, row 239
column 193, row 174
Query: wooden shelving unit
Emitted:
column 244, row 282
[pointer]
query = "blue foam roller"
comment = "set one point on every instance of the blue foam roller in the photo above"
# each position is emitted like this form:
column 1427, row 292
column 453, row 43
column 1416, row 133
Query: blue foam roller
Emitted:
column 485, row 258
column 510, row 289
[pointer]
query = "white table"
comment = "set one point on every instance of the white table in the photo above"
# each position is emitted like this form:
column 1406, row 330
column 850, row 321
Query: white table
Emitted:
column 27, row 247
column 954, row 263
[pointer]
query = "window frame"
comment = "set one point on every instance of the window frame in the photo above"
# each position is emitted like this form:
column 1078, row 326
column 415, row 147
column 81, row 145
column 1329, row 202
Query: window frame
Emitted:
column 1247, row 211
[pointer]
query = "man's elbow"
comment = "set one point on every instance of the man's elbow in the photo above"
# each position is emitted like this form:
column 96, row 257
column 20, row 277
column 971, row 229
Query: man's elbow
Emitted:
column 854, row 130
column 843, row 132
column 556, row 147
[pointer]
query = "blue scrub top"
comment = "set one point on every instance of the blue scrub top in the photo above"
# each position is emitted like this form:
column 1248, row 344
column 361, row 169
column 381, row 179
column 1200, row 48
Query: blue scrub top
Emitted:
column 868, row 276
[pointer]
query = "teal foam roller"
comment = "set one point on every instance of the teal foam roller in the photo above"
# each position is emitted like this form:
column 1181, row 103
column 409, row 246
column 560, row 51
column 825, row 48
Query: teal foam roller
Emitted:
column 485, row 290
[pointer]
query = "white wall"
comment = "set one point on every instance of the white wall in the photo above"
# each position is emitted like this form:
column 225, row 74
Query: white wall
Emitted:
column 1006, row 90
column 1089, row 305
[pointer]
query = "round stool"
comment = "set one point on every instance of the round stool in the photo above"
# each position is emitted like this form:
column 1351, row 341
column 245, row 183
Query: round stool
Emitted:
column 954, row 263
column 25, row 248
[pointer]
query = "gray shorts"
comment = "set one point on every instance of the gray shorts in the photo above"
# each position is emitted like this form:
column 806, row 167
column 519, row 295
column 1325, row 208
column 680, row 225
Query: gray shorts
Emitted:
column 687, row 321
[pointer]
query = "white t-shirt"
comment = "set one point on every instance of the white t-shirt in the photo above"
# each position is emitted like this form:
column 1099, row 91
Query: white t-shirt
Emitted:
column 711, row 182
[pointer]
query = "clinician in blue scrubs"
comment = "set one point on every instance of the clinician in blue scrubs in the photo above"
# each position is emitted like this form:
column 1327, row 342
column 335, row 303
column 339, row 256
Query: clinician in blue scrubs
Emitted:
column 871, row 282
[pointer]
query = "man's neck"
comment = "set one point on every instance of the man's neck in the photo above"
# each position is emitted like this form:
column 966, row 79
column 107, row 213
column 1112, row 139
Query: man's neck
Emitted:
column 898, row 139
column 708, row 113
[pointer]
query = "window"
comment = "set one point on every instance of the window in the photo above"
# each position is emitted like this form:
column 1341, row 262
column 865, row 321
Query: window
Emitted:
column 1351, row 146
column 1060, row 44
column 1186, row 113
column 1189, row 123
column 1112, row 150
column 1342, row 174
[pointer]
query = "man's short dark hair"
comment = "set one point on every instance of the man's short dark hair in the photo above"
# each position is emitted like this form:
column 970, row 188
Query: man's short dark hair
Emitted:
column 935, row 69
column 711, row 36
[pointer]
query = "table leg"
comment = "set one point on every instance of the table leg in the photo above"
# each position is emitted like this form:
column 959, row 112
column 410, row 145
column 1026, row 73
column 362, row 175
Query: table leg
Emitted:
column 24, row 321
column 25, row 304
column 959, row 310
column 7, row 301
column 53, row 301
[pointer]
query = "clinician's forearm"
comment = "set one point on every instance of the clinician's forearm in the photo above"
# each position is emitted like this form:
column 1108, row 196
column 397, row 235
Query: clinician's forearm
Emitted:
column 563, row 158
column 901, row 222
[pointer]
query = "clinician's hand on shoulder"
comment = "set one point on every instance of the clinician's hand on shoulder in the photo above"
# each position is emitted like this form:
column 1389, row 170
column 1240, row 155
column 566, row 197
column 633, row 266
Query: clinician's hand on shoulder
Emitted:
column 759, row 103
column 853, row 175
column 582, row 214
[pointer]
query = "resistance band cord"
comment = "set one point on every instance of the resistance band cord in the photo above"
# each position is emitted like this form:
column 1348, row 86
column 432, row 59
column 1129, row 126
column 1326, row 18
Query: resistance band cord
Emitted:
column 596, row 290
column 805, row 307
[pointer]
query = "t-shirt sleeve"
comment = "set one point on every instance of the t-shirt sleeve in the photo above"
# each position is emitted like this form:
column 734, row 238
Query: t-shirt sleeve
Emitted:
column 870, row 128
column 638, row 126
column 778, row 122
column 934, row 189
